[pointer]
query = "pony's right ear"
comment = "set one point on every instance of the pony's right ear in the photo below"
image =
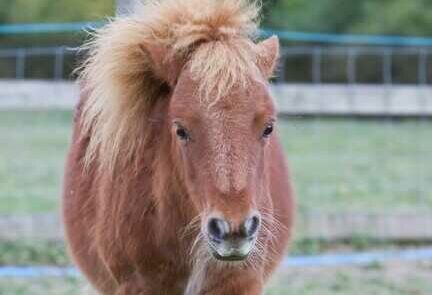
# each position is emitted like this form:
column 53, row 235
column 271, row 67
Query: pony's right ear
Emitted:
column 165, row 65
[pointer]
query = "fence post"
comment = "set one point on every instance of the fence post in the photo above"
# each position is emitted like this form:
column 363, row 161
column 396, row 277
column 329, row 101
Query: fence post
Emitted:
column 387, row 65
column 20, row 63
column 58, row 64
column 352, row 66
column 422, row 67
column 316, row 65
column 281, row 69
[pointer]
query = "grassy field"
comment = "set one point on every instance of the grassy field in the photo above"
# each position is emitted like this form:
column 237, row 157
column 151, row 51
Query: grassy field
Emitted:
column 32, row 152
column 389, row 279
column 337, row 164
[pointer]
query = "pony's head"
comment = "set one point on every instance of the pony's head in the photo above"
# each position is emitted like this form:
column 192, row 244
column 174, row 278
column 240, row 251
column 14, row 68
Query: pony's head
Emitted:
column 220, row 115
column 220, row 138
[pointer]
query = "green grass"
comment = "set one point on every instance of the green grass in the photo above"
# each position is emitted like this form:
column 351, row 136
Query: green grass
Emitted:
column 391, row 279
column 33, row 145
column 43, row 286
column 337, row 164
column 25, row 252
column 348, row 164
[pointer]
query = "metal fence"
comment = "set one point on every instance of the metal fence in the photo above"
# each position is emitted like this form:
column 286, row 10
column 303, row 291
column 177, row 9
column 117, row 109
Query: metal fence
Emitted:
column 304, row 64
column 20, row 56
column 387, row 58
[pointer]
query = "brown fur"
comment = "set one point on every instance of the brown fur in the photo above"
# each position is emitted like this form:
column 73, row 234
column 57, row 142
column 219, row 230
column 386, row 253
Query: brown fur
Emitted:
column 136, row 198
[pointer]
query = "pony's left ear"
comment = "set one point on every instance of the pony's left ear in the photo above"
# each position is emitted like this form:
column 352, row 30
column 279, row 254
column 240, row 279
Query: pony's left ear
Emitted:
column 268, row 54
column 164, row 64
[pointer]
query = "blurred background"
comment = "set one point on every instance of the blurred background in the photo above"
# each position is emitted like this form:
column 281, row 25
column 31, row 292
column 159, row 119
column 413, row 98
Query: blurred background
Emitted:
column 354, row 94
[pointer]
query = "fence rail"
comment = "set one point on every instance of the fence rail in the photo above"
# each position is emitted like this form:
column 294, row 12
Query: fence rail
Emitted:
column 20, row 55
column 385, row 54
column 316, row 64
column 294, row 36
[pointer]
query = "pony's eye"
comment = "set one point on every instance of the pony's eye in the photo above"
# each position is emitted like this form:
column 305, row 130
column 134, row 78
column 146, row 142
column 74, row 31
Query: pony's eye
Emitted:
column 182, row 133
column 268, row 131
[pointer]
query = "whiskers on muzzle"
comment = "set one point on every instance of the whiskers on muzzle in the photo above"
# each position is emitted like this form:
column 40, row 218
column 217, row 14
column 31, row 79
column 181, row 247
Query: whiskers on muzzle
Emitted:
column 251, row 247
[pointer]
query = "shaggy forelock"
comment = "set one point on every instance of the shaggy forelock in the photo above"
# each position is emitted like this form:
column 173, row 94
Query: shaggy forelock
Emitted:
column 215, row 37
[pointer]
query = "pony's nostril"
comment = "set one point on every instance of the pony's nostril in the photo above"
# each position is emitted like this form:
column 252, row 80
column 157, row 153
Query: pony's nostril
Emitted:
column 251, row 225
column 217, row 228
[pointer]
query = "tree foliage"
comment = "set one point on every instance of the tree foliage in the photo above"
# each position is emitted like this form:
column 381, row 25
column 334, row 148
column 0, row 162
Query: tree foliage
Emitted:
column 50, row 11
column 403, row 17
column 31, row 11
column 398, row 17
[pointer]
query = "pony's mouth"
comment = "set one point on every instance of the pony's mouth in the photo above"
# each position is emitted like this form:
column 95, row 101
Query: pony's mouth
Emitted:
column 231, row 250
column 229, row 258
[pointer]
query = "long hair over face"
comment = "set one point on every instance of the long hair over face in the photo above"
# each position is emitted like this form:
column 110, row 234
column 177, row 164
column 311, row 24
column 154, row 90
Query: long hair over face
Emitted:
column 214, row 38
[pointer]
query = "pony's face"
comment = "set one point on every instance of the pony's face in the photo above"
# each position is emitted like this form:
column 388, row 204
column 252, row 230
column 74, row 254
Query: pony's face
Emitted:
column 222, row 150
column 220, row 145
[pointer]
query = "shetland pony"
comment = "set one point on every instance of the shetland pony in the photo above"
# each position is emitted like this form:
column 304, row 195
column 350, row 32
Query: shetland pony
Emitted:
column 176, row 181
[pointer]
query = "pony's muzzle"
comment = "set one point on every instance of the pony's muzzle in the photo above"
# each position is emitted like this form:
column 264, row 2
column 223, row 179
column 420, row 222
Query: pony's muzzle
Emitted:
column 232, row 243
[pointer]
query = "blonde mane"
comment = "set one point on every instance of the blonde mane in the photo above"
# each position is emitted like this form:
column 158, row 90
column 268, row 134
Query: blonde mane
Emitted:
column 215, row 37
